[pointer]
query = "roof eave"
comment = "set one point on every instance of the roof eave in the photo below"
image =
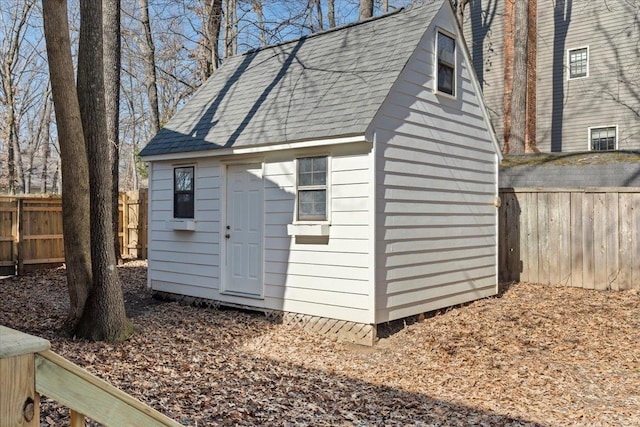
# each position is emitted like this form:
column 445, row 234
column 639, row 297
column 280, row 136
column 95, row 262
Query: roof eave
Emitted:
column 256, row 149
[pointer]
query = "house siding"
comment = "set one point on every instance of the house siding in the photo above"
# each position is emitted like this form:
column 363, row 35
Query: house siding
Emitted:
column 484, row 34
column 321, row 279
column 567, row 108
column 436, row 186
column 610, row 93
column 185, row 262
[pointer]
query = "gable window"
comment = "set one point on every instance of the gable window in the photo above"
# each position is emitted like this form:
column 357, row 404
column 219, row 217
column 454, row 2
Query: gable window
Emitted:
column 312, row 189
column 603, row 139
column 446, row 60
column 578, row 63
column 183, row 194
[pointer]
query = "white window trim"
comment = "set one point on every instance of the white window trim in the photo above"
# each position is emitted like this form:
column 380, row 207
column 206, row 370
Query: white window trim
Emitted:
column 590, row 128
column 326, row 221
column 569, row 62
column 455, row 65
column 173, row 189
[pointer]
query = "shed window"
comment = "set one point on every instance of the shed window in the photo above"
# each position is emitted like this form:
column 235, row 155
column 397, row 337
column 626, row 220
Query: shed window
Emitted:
column 603, row 139
column 312, row 189
column 183, row 194
column 446, row 64
column 578, row 63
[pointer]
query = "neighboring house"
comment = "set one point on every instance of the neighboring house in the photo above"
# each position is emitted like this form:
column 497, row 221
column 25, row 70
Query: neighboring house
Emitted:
column 349, row 177
column 587, row 78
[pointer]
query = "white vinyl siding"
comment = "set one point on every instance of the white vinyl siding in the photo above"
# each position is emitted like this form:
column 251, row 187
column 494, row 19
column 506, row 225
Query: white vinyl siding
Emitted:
column 436, row 186
column 187, row 260
column 329, row 279
column 326, row 278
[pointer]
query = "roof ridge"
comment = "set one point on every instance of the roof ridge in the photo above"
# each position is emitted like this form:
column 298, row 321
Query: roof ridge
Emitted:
column 331, row 30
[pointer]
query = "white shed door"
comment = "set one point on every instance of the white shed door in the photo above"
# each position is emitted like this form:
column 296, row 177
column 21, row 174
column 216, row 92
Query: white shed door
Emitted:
column 244, row 230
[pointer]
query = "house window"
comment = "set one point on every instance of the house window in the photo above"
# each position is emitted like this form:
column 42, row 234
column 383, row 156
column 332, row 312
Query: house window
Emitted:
column 183, row 197
column 312, row 189
column 446, row 74
column 578, row 63
column 604, row 138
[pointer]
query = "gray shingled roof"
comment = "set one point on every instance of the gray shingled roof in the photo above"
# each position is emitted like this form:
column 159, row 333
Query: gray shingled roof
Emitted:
column 325, row 85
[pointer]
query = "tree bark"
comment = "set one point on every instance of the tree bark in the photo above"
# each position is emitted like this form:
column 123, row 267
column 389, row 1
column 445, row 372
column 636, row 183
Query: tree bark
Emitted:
column 319, row 15
column 46, row 150
column 519, row 89
column 212, row 32
column 151, row 79
column 75, row 170
column 460, row 6
column 532, row 48
column 104, row 316
column 230, row 30
column 331, row 13
column 112, row 59
column 366, row 9
column 16, row 175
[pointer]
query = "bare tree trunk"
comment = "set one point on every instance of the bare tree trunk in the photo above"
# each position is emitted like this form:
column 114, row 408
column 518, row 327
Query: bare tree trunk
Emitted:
column 509, row 11
column 151, row 80
column 460, row 6
column 75, row 170
column 366, row 9
column 532, row 49
column 104, row 316
column 319, row 15
column 331, row 13
column 519, row 89
column 230, row 30
column 46, row 149
column 16, row 174
column 257, row 7
column 112, row 59
column 55, row 189
column 134, row 169
column 212, row 34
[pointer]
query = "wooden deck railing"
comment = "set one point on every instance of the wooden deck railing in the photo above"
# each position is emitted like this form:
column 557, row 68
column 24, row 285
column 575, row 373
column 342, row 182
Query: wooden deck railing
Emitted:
column 28, row 369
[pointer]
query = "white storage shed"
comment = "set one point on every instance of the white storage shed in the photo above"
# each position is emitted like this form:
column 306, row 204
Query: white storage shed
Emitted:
column 347, row 179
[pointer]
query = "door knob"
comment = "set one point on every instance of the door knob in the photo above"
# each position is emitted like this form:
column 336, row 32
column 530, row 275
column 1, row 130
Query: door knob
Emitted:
column 227, row 235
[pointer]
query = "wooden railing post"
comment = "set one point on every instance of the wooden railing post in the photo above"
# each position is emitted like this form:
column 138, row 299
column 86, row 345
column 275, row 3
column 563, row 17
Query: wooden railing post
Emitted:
column 77, row 419
column 19, row 402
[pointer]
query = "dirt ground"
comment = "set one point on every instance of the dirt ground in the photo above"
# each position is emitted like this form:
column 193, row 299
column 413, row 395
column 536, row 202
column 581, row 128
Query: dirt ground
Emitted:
column 533, row 356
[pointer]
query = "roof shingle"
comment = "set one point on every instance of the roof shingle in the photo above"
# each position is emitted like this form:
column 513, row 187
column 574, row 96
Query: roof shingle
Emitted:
column 320, row 86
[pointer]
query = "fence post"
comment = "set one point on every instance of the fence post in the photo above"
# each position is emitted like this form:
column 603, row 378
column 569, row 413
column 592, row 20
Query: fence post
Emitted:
column 20, row 236
column 143, row 218
column 125, row 224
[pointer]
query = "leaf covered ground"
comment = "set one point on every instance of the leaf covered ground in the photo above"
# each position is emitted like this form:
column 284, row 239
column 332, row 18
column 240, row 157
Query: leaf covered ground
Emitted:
column 534, row 355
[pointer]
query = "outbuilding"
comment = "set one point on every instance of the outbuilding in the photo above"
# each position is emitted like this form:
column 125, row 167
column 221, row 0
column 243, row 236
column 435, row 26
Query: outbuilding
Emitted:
column 345, row 179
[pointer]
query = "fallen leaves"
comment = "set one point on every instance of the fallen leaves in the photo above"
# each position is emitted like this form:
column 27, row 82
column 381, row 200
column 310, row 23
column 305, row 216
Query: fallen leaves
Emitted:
column 536, row 355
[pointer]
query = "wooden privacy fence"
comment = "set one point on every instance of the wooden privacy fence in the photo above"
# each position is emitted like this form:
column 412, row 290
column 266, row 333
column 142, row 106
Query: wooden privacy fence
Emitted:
column 31, row 230
column 587, row 238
